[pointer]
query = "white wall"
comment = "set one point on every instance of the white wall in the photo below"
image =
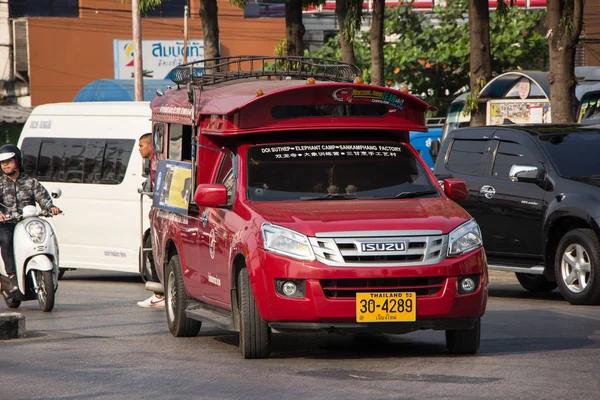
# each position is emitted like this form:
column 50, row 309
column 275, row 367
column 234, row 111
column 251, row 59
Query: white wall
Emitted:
column 4, row 42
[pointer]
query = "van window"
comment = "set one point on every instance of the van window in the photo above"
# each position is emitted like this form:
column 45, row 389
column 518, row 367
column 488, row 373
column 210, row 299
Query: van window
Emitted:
column 102, row 161
column 466, row 156
column 180, row 142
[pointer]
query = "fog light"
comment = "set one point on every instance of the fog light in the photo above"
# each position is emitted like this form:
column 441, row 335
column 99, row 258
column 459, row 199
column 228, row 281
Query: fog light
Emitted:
column 467, row 285
column 289, row 288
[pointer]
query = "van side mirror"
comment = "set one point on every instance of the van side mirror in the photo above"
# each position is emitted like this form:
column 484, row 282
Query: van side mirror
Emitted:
column 434, row 150
column 526, row 173
column 211, row 195
column 456, row 189
column 146, row 167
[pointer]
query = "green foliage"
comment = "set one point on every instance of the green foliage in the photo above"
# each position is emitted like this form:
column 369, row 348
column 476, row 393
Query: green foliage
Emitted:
column 431, row 55
column 147, row 5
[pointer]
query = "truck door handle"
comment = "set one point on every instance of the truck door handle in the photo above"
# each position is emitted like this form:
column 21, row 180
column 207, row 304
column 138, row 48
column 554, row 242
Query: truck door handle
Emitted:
column 204, row 219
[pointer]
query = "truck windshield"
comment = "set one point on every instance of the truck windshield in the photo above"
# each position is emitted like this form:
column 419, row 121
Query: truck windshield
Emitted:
column 335, row 171
column 583, row 147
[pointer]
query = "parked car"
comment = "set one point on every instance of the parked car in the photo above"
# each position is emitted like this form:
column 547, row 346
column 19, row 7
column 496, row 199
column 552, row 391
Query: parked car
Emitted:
column 311, row 210
column 423, row 141
column 535, row 192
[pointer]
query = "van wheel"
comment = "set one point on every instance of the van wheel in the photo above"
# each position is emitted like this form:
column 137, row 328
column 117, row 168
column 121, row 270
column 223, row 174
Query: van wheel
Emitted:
column 577, row 267
column 255, row 334
column 45, row 294
column 147, row 269
column 535, row 283
column 175, row 298
column 464, row 341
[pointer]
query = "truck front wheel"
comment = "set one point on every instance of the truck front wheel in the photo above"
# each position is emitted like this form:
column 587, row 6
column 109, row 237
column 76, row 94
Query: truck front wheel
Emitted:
column 255, row 334
column 535, row 283
column 577, row 267
column 464, row 341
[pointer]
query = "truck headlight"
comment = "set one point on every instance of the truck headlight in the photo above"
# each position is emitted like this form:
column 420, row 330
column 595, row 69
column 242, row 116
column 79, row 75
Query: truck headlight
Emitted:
column 465, row 238
column 287, row 242
column 36, row 231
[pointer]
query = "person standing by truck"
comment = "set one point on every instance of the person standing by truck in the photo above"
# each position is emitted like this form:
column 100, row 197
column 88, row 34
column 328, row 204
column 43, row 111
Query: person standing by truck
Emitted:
column 157, row 300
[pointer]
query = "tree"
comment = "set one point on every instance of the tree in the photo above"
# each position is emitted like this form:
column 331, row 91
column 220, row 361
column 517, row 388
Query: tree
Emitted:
column 480, row 59
column 210, row 23
column 349, row 18
column 377, row 41
column 294, row 28
column 430, row 53
column 565, row 18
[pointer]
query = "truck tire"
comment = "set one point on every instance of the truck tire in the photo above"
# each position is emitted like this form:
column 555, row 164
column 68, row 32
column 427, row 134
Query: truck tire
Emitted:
column 175, row 298
column 577, row 267
column 464, row 341
column 255, row 334
column 535, row 283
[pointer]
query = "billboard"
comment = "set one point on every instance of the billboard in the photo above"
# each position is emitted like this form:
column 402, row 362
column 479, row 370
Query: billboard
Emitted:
column 159, row 57
column 173, row 188
column 518, row 112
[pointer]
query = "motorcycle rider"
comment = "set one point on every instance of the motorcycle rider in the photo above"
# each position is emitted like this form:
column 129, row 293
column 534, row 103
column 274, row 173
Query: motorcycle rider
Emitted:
column 17, row 190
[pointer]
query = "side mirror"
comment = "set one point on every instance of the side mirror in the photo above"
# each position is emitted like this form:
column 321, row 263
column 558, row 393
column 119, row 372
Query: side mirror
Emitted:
column 526, row 173
column 434, row 150
column 211, row 195
column 145, row 167
column 56, row 193
column 456, row 189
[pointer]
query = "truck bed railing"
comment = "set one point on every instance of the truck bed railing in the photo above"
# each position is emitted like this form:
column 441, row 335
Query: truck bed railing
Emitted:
column 222, row 69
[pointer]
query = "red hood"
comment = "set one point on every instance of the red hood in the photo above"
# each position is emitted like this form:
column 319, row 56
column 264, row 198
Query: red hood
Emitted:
column 310, row 217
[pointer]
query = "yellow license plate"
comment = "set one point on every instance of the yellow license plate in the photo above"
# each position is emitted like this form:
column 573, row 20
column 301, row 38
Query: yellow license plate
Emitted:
column 386, row 307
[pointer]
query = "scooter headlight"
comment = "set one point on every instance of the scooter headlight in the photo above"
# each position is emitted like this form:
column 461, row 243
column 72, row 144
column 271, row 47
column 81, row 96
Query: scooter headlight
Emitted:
column 36, row 231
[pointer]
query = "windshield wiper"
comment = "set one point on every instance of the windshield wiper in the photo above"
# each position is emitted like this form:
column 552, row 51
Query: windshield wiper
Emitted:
column 405, row 195
column 335, row 196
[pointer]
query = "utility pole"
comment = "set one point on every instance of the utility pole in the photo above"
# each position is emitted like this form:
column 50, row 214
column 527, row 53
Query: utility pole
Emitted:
column 185, row 33
column 137, row 51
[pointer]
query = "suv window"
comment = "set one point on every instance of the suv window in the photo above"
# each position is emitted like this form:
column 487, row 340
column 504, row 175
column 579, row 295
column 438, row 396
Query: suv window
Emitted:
column 509, row 154
column 102, row 161
column 582, row 147
column 311, row 171
column 466, row 156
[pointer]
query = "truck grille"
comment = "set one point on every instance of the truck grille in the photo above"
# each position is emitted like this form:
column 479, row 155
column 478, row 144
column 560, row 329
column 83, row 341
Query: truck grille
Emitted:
column 380, row 248
column 347, row 288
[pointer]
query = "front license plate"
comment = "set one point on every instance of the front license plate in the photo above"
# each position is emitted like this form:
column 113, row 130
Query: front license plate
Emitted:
column 386, row 307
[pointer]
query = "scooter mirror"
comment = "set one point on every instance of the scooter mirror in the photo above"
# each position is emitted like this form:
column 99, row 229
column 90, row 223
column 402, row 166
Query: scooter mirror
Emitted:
column 56, row 193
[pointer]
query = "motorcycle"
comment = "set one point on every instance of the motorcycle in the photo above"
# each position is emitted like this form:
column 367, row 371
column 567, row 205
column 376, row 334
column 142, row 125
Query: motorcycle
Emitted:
column 36, row 260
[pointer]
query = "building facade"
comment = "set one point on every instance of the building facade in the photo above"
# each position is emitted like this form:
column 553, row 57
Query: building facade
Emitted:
column 60, row 46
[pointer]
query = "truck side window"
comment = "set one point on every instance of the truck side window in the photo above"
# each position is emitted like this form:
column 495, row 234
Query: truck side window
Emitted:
column 180, row 142
column 226, row 177
column 509, row 154
column 466, row 156
column 158, row 137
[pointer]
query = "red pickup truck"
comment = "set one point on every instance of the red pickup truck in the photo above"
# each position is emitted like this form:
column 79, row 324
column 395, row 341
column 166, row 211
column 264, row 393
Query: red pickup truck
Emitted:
column 287, row 198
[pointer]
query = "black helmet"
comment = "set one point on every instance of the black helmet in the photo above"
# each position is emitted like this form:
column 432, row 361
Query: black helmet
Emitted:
column 9, row 151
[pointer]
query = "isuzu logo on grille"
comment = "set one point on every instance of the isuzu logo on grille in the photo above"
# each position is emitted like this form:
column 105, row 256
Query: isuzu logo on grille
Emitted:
column 371, row 247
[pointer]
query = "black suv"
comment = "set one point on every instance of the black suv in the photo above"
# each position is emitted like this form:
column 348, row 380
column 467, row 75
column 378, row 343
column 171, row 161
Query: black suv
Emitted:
column 535, row 192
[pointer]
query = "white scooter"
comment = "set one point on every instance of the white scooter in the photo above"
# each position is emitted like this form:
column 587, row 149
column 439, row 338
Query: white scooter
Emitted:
column 36, row 260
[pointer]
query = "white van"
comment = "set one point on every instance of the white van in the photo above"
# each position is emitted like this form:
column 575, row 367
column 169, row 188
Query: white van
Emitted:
column 90, row 151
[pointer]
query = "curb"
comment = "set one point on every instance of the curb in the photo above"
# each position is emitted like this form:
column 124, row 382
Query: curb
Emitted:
column 12, row 326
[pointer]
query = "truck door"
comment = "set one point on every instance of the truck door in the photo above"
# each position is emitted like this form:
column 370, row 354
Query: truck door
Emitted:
column 511, row 212
column 465, row 159
column 215, row 239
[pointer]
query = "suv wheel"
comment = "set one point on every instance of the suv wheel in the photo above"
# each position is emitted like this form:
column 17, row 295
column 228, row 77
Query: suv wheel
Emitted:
column 577, row 267
column 535, row 283
column 464, row 341
column 175, row 298
column 255, row 334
